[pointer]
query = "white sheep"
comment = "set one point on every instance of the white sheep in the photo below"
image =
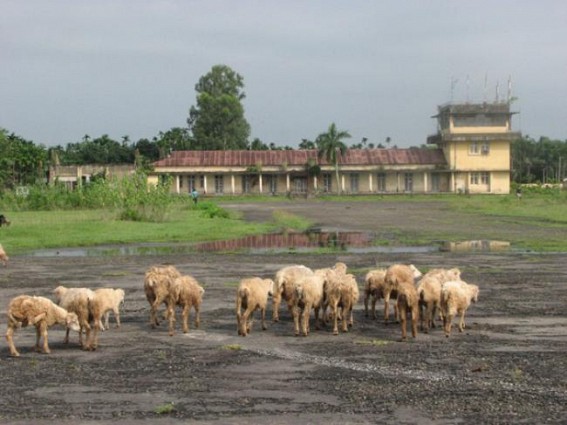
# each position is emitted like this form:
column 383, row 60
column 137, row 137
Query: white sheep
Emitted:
column 456, row 297
column 309, row 294
column 284, row 283
column 3, row 256
column 341, row 290
column 157, row 282
column 374, row 290
column 111, row 300
column 77, row 300
column 394, row 275
column 408, row 303
column 252, row 294
column 40, row 312
column 429, row 293
column 184, row 291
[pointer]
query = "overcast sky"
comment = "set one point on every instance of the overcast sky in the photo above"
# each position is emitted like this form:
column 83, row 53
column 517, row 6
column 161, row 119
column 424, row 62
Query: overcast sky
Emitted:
column 376, row 68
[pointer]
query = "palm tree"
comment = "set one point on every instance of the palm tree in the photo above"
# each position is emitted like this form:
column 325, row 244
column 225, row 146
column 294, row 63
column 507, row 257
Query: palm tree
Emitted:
column 331, row 147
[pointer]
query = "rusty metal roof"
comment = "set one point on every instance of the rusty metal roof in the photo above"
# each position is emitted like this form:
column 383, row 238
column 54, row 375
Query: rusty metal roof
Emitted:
column 245, row 158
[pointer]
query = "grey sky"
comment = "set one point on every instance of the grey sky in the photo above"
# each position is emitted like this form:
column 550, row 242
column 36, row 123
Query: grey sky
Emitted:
column 375, row 68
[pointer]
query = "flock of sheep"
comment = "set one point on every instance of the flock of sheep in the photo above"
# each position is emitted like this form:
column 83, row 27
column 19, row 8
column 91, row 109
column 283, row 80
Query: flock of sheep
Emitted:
column 330, row 292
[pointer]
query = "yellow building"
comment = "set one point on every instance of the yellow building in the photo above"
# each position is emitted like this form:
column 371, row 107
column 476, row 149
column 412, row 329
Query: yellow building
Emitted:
column 476, row 139
column 469, row 154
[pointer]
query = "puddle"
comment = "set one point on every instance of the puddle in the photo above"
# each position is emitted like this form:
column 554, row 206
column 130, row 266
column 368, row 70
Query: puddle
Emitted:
column 311, row 241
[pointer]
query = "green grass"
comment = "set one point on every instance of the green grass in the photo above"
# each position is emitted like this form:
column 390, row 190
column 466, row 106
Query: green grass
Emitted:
column 164, row 408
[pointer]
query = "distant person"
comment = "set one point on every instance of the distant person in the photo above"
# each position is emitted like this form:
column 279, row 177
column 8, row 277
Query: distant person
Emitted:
column 194, row 195
column 519, row 193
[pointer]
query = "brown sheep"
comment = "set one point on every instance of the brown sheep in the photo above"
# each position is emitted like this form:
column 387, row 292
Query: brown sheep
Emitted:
column 76, row 300
column 456, row 297
column 341, row 291
column 394, row 275
column 40, row 312
column 308, row 295
column 429, row 293
column 284, row 284
column 408, row 303
column 185, row 291
column 157, row 282
column 252, row 294
column 374, row 290
column 3, row 256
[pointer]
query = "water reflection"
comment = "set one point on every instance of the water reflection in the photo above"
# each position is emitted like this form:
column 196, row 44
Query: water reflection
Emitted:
column 474, row 246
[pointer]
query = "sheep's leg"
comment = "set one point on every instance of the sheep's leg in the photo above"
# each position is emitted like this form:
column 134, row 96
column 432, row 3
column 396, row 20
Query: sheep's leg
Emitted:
column 335, row 310
column 317, row 324
column 238, row 322
column 275, row 310
column 43, row 330
column 197, row 308
column 154, row 321
column 10, row 340
column 245, row 322
column 106, row 323
column 37, row 338
column 414, row 316
column 263, row 314
column 374, row 299
column 366, row 296
column 171, row 318
column 305, row 319
column 386, row 307
column 185, row 316
column 92, row 342
column 66, row 340
column 462, row 321
column 296, row 320
column 351, row 314
column 116, row 312
column 447, row 319
column 345, row 312
column 403, row 319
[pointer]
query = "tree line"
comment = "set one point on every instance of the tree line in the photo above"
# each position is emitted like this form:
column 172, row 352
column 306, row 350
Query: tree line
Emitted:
column 217, row 122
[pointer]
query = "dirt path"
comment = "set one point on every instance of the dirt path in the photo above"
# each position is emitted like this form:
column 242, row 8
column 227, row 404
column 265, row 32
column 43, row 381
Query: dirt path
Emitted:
column 508, row 367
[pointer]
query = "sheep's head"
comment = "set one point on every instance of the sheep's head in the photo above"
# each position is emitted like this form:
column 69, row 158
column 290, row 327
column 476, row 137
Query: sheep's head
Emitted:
column 454, row 274
column 270, row 284
column 340, row 267
column 72, row 322
column 416, row 273
column 58, row 292
column 474, row 293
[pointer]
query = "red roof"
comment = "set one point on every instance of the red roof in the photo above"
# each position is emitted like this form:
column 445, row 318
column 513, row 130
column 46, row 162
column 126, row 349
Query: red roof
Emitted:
column 235, row 158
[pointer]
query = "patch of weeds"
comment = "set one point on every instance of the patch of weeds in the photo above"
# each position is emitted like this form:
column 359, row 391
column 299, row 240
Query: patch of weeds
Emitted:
column 161, row 354
column 232, row 347
column 285, row 220
column 164, row 408
column 517, row 374
column 373, row 342
column 33, row 363
column 233, row 284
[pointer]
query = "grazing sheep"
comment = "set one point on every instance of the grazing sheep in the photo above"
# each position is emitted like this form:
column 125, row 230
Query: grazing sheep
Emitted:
column 4, row 220
column 76, row 300
column 157, row 282
column 408, row 303
column 374, row 290
column 284, row 284
column 394, row 275
column 456, row 296
column 3, row 256
column 185, row 291
column 252, row 294
column 111, row 300
column 40, row 312
column 429, row 293
column 308, row 295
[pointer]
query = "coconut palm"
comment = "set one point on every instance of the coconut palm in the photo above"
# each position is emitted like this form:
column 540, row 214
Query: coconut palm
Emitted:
column 331, row 147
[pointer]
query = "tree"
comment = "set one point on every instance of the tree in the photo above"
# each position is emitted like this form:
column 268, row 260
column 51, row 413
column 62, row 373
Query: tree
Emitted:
column 331, row 147
column 217, row 121
column 21, row 161
column 306, row 144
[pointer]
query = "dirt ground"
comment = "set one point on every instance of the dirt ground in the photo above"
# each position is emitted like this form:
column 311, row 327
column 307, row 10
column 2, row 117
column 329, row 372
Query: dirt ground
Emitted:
column 508, row 367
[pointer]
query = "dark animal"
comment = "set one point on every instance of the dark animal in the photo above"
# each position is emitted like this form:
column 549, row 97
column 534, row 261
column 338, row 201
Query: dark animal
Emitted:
column 4, row 221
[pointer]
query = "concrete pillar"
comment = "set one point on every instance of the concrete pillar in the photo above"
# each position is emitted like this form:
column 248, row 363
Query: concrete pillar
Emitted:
column 205, row 183
column 315, row 182
column 287, row 182
column 370, row 182
column 425, row 182
column 177, row 183
column 260, row 183
column 232, row 184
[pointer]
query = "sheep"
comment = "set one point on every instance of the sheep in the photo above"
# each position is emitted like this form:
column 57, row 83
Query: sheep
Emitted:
column 4, row 221
column 394, row 275
column 252, row 294
column 456, row 297
column 374, row 289
column 284, row 283
column 184, row 291
column 111, row 300
column 40, row 312
column 308, row 294
column 341, row 291
column 76, row 300
column 408, row 303
column 429, row 293
column 157, row 282
column 3, row 256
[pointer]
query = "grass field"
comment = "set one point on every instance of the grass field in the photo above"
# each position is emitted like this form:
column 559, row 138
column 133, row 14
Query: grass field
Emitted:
column 71, row 228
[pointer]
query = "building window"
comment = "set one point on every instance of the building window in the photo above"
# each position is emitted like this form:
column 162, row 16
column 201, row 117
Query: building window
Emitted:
column 354, row 183
column 202, row 181
column 408, row 182
column 381, row 182
column 435, row 182
column 485, row 148
column 475, row 178
column 484, row 178
column 272, row 183
column 327, row 186
column 219, row 183
column 191, row 183
column 246, row 183
column 474, row 148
